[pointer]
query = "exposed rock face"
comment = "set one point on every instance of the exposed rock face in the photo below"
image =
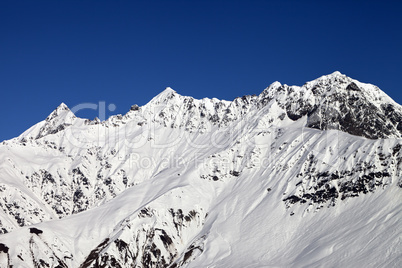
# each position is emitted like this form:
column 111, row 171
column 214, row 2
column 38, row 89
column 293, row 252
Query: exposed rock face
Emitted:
column 186, row 182
column 339, row 102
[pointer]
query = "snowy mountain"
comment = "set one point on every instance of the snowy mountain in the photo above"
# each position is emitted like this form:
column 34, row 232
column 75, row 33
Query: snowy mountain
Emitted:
column 306, row 176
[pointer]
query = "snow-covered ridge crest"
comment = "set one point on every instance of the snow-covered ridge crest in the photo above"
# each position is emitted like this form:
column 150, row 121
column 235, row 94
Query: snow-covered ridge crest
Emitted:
column 332, row 101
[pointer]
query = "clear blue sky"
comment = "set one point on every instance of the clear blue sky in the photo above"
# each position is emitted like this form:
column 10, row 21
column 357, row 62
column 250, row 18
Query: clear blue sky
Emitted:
column 126, row 52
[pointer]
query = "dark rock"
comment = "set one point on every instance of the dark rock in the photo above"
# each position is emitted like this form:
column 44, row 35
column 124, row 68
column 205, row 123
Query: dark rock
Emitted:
column 3, row 248
column 234, row 173
column 34, row 230
column 352, row 86
column 94, row 254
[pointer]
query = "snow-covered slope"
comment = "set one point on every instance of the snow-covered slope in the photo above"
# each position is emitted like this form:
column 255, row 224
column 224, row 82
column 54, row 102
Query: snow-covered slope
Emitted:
column 305, row 176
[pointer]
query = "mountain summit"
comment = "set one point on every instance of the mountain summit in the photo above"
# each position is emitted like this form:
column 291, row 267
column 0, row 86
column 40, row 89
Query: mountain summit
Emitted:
column 298, row 176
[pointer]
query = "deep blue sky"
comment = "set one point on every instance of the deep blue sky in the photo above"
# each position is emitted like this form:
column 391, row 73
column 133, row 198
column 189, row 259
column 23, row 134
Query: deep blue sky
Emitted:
column 126, row 52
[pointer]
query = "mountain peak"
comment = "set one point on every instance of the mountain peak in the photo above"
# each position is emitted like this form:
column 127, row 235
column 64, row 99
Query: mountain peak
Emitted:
column 57, row 120
column 62, row 106
column 164, row 96
column 333, row 75
column 59, row 111
column 336, row 73
column 167, row 92
column 169, row 89
column 275, row 84
column 330, row 78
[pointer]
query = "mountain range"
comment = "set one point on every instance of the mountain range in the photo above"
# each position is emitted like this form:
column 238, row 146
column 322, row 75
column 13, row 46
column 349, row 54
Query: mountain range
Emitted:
column 298, row 176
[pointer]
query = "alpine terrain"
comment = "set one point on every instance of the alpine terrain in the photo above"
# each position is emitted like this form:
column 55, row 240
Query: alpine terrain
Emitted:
column 306, row 176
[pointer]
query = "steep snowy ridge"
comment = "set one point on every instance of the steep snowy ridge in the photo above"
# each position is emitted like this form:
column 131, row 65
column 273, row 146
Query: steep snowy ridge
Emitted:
column 306, row 176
